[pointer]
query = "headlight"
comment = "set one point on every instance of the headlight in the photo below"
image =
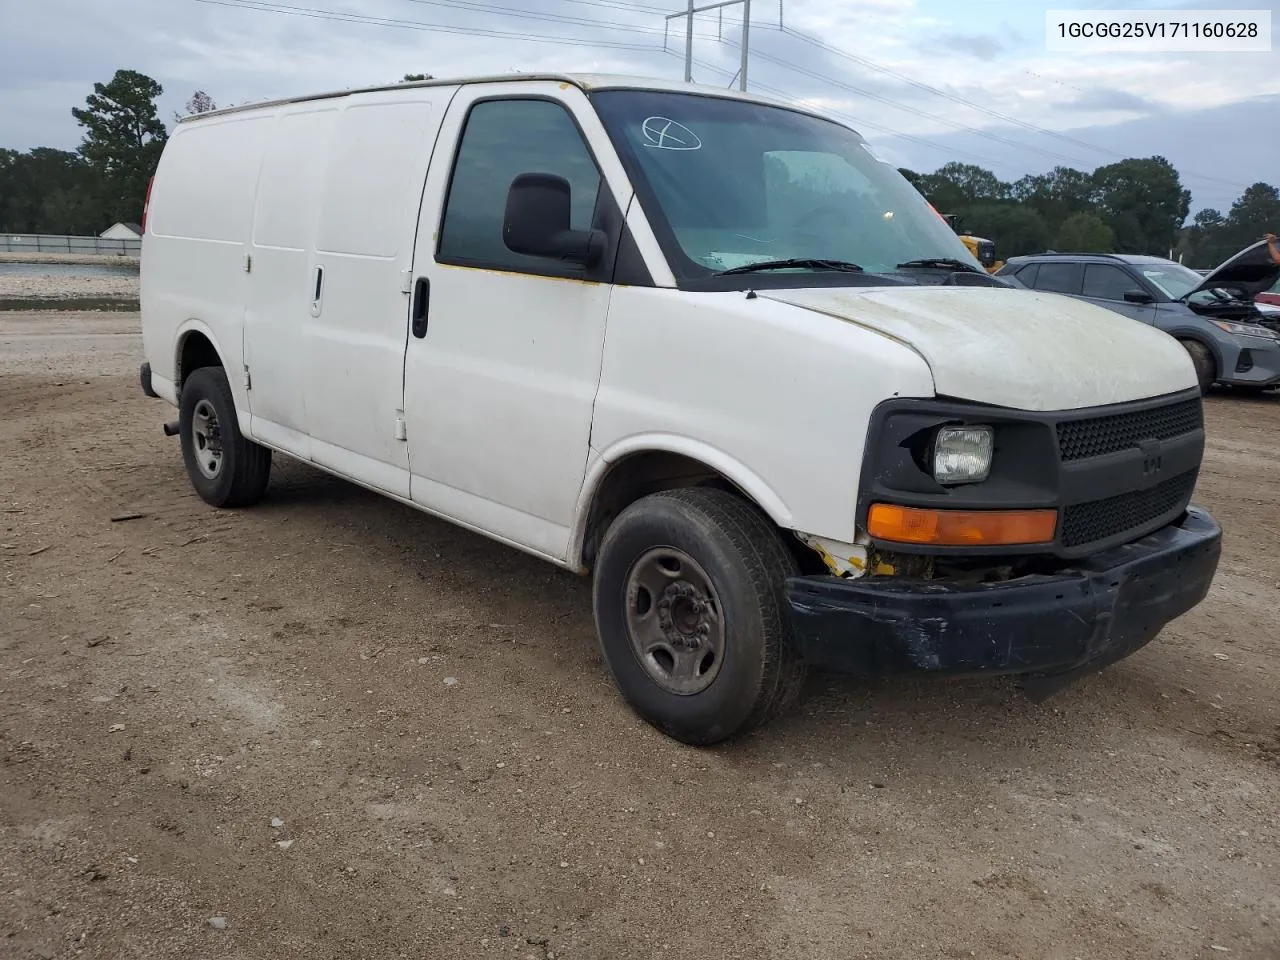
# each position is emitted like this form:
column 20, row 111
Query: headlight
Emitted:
column 1247, row 330
column 962, row 454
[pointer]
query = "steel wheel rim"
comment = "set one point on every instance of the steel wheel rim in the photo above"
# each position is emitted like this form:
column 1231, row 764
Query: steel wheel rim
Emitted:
column 674, row 621
column 206, row 439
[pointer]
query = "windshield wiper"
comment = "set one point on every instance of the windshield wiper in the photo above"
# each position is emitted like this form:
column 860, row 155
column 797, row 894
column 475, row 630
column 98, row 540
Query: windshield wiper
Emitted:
column 941, row 263
column 804, row 263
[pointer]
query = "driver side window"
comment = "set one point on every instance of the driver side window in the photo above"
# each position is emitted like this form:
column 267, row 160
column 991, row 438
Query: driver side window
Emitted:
column 1106, row 282
column 501, row 140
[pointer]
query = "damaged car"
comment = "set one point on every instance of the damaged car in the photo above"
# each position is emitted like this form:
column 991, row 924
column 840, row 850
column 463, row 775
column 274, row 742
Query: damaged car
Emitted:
column 1230, row 339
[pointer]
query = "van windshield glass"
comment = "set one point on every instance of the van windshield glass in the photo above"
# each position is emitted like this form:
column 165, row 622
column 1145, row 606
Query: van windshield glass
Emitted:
column 728, row 183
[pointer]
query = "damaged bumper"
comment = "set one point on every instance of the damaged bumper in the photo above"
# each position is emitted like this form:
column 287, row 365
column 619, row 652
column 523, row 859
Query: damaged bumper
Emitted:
column 1058, row 627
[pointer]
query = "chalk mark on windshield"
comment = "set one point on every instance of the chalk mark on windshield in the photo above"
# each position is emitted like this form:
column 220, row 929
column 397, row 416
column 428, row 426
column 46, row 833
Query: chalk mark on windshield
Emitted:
column 663, row 133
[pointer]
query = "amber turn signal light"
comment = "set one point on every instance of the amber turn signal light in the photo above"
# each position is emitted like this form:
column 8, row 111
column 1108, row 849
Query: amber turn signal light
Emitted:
column 961, row 528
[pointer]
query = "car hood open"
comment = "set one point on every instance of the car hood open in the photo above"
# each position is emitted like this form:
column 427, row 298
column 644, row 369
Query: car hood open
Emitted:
column 1251, row 271
column 1013, row 348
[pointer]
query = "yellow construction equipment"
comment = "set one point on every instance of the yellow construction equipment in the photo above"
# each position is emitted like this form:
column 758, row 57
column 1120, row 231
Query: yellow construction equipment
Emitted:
column 983, row 250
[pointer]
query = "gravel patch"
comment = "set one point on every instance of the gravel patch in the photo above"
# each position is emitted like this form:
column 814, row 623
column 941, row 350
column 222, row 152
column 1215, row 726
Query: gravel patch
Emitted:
column 70, row 259
column 50, row 286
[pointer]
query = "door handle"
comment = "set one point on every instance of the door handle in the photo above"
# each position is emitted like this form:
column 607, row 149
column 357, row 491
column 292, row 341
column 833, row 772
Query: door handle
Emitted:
column 421, row 299
column 317, row 291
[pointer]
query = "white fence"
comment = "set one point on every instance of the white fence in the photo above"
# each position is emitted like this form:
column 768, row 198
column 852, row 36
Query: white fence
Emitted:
column 79, row 246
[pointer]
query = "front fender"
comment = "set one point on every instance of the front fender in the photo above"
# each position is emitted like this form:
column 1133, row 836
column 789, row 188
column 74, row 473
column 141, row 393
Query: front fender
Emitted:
column 1224, row 354
column 733, row 470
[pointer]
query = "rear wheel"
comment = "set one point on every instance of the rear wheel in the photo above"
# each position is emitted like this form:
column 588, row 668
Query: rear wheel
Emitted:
column 1206, row 368
column 689, row 608
column 226, row 469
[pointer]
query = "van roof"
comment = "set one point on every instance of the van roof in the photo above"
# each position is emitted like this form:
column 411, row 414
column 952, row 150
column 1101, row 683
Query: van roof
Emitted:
column 584, row 81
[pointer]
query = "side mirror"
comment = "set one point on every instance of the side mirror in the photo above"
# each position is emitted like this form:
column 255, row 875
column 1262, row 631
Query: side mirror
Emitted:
column 1138, row 296
column 537, row 222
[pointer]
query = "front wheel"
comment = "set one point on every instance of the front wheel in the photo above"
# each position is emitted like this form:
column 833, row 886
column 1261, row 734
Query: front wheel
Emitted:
column 689, row 609
column 226, row 469
column 1202, row 359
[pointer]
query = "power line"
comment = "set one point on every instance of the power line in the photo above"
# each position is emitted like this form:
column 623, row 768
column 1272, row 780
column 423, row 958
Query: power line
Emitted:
column 312, row 13
column 480, row 7
column 620, row 5
column 982, row 108
column 271, row 6
column 976, row 131
column 860, row 123
column 889, row 101
column 268, row 6
column 473, row 6
column 954, row 97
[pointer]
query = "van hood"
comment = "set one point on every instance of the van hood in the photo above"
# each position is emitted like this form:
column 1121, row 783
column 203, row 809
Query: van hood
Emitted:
column 1251, row 271
column 1013, row 348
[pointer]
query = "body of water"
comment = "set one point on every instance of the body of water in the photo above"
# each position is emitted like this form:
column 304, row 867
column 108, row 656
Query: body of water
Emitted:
column 67, row 270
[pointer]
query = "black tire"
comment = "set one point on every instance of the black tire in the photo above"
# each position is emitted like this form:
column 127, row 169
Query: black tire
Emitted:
column 758, row 674
column 1202, row 358
column 207, row 419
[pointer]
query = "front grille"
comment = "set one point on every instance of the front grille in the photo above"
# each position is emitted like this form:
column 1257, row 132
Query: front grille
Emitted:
column 1097, row 436
column 1101, row 519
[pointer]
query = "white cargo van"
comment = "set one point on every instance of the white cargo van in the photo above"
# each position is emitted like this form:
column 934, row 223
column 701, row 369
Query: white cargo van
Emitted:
column 703, row 347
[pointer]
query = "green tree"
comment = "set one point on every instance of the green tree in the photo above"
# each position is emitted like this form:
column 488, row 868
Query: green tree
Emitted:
column 956, row 185
column 10, row 161
column 1144, row 203
column 976, row 184
column 200, row 102
column 1203, row 243
column 1255, row 213
column 1086, row 233
column 123, row 140
column 1058, row 194
column 48, row 191
column 1016, row 230
column 1214, row 237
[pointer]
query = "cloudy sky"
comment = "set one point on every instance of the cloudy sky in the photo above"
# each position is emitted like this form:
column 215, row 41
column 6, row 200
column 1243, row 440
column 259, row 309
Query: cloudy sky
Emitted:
column 926, row 81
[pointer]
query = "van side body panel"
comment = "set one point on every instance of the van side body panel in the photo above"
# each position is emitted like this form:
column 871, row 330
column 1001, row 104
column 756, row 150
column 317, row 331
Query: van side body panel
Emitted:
column 499, row 389
column 276, row 314
column 358, row 302
column 193, row 254
column 516, row 389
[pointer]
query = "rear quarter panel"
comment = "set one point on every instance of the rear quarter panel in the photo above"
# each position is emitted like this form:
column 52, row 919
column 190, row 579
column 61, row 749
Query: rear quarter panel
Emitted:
column 193, row 269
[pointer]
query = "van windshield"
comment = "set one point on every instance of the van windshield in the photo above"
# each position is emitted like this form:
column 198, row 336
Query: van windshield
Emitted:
column 727, row 183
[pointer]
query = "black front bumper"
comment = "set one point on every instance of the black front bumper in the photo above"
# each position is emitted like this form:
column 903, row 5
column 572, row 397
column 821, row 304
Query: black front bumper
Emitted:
column 1099, row 610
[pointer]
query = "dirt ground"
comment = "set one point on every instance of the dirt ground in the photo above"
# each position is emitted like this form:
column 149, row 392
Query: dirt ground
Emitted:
column 453, row 775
